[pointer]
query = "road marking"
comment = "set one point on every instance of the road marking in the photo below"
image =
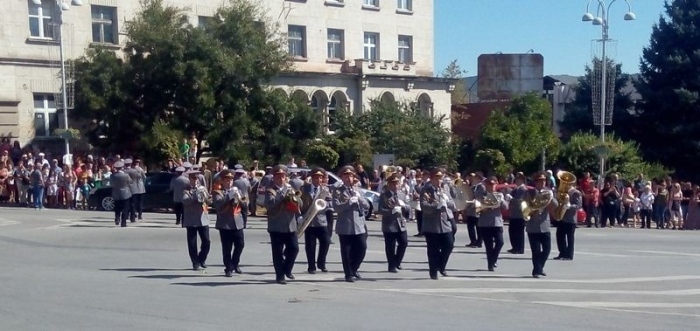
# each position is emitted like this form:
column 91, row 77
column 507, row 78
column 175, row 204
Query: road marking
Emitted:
column 601, row 304
column 4, row 222
column 668, row 253
column 687, row 292
column 518, row 279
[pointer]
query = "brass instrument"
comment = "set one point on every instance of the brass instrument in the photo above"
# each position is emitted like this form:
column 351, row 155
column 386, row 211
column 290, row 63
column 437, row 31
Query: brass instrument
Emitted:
column 536, row 204
column 492, row 200
column 319, row 204
column 389, row 170
column 567, row 181
column 464, row 196
column 202, row 194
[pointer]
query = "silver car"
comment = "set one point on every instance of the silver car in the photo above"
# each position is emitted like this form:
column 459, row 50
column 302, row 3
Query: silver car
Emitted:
column 333, row 180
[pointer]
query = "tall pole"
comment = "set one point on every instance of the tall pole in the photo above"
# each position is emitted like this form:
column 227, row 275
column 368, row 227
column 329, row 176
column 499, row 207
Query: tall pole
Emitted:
column 64, row 93
column 603, row 88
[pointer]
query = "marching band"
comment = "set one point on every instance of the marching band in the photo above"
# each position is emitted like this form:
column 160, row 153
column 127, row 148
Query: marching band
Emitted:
column 436, row 200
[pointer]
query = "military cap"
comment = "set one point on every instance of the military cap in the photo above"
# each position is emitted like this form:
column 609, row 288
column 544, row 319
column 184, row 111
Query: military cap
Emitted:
column 279, row 169
column 193, row 172
column 520, row 175
column 239, row 171
column 393, row 178
column 539, row 176
column 118, row 164
column 180, row 169
column 437, row 172
column 238, row 166
column 317, row 171
column 128, row 161
column 348, row 169
column 187, row 165
column 226, row 174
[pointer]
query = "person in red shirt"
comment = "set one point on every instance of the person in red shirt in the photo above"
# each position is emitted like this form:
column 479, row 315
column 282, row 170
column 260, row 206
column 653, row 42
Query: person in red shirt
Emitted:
column 592, row 205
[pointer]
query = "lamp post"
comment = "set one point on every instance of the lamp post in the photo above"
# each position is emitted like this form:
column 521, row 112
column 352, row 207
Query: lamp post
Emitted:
column 62, row 6
column 602, row 19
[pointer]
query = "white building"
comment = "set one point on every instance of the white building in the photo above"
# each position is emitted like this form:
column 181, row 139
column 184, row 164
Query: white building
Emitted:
column 346, row 52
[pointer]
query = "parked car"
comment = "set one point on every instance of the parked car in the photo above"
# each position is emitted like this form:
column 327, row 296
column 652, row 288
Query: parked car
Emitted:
column 158, row 194
column 333, row 180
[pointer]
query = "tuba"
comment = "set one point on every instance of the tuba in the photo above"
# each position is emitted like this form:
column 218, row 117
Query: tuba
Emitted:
column 567, row 181
column 536, row 204
column 319, row 204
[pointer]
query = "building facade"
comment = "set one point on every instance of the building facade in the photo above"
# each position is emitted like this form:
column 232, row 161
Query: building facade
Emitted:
column 345, row 52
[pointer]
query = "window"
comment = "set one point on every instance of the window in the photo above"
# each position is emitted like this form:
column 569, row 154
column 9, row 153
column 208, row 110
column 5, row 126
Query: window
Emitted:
column 204, row 21
column 404, row 5
column 103, row 25
column 335, row 44
column 46, row 118
column 405, row 49
column 296, row 36
column 371, row 46
column 40, row 24
column 371, row 3
column 332, row 115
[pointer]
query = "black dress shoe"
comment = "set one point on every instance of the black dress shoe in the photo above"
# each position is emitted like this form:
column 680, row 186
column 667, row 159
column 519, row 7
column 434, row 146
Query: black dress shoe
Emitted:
column 566, row 258
column 443, row 273
column 495, row 265
column 203, row 265
column 541, row 273
column 557, row 258
column 357, row 275
column 290, row 276
column 227, row 273
column 116, row 222
column 393, row 270
column 195, row 266
column 491, row 268
column 349, row 279
column 311, row 271
column 281, row 281
column 399, row 267
column 324, row 270
column 434, row 277
column 535, row 275
column 237, row 270
column 512, row 251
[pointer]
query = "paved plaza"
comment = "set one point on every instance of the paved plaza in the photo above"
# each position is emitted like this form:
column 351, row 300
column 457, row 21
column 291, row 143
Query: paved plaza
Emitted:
column 74, row 270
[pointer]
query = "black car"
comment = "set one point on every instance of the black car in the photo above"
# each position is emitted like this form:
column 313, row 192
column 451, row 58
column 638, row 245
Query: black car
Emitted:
column 158, row 194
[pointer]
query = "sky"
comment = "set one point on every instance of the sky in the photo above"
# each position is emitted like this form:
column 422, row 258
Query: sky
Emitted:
column 465, row 29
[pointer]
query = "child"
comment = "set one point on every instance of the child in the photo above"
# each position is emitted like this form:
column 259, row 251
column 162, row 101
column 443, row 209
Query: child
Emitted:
column 84, row 192
column 184, row 150
column 636, row 210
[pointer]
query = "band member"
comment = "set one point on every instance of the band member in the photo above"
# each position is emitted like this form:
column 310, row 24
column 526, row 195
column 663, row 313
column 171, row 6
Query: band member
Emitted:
column 318, row 228
column 567, row 227
column 393, row 208
column 330, row 212
column 178, row 185
column 437, row 226
column 471, row 213
column 243, row 184
column 538, row 227
column 420, row 182
column 138, row 189
column 229, row 222
column 516, row 224
column 352, row 231
column 491, row 222
column 195, row 218
column 283, row 212
column 120, row 193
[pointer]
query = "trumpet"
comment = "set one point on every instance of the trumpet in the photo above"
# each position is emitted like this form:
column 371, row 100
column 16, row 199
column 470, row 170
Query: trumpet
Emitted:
column 202, row 194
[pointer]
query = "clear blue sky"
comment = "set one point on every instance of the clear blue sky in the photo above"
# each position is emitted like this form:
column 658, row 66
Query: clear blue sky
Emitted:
column 465, row 29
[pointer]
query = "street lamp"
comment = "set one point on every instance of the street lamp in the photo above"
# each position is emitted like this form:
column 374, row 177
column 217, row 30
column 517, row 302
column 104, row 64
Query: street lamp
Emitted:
column 63, row 6
column 602, row 20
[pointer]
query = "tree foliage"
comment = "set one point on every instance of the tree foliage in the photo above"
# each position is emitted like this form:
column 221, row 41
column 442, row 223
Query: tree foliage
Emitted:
column 209, row 81
column 579, row 155
column 393, row 128
column 520, row 133
column 668, row 126
column 579, row 116
column 460, row 95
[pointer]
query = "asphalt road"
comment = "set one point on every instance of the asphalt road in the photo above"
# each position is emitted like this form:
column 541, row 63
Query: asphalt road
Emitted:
column 74, row 270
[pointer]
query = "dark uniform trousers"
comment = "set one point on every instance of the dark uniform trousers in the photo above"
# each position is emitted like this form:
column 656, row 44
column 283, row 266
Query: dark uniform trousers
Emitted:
column 474, row 235
column 203, row 232
column 493, row 240
column 395, row 244
column 353, row 248
column 179, row 211
column 516, row 233
column 440, row 247
column 285, row 248
column 121, row 211
column 232, row 240
column 419, row 221
column 540, row 245
column 136, row 207
column 565, row 239
column 330, row 218
column 324, row 242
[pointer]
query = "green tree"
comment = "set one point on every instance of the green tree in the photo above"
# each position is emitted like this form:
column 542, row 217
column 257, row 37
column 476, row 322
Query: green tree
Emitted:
column 579, row 115
column 460, row 95
column 579, row 155
column 210, row 81
column 521, row 132
column 402, row 130
column 491, row 162
column 668, row 129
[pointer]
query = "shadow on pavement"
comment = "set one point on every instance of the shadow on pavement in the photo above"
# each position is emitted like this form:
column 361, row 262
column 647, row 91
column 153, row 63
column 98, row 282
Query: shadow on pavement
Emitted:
column 146, row 269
